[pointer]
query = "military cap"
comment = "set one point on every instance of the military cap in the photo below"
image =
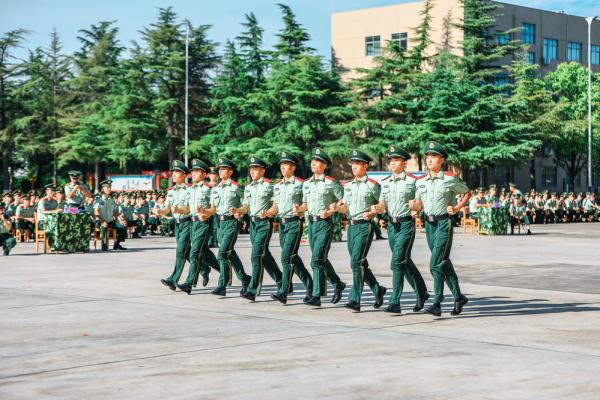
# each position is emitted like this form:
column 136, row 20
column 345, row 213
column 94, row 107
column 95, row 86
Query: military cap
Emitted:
column 25, row 197
column 74, row 173
column 493, row 186
column 50, row 186
column 214, row 170
column 397, row 151
column 512, row 184
column 360, row 156
column 107, row 182
column 178, row 165
column 319, row 154
column 256, row 162
column 432, row 147
column 199, row 164
column 225, row 163
column 480, row 189
column 288, row 157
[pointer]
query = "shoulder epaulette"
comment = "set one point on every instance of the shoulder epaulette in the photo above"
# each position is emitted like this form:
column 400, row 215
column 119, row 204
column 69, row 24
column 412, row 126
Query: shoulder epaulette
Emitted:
column 413, row 176
column 448, row 173
column 387, row 177
column 171, row 188
column 234, row 183
column 373, row 181
column 299, row 179
column 330, row 178
column 207, row 185
column 267, row 180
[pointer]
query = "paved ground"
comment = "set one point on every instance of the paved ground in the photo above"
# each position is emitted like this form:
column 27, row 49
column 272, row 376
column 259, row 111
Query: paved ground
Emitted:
column 101, row 326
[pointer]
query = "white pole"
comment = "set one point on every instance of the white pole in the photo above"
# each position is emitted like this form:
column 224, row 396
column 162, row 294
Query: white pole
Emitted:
column 589, row 22
column 187, row 41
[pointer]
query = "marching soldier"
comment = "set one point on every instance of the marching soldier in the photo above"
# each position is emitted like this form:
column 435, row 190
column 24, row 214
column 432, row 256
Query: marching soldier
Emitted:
column 201, row 258
column 224, row 198
column 435, row 195
column 7, row 241
column 320, row 195
column 75, row 191
column 106, row 211
column 397, row 190
column 177, row 200
column 360, row 195
column 213, row 180
column 258, row 198
column 286, row 194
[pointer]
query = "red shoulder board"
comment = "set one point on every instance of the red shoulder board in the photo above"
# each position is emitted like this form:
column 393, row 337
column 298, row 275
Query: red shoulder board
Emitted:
column 299, row 179
column 373, row 181
column 235, row 183
column 330, row 178
column 171, row 188
column 412, row 176
column 267, row 180
column 344, row 183
column 448, row 173
column 417, row 177
column 206, row 184
column 386, row 178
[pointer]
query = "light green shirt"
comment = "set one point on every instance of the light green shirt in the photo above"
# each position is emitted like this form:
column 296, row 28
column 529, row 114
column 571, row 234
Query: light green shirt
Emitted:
column 320, row 192
column 106, row 207
column 178, row 196
column 258, row 196
column 286, row 193
column 359, row 195
column 199, row 196
column 439, row 191
column 25, row 212
column 126, row 211
column 3, row 228
column 396, row 191
column 46, row 205
column 78, row 199
column 225, row 195
column 588, row 205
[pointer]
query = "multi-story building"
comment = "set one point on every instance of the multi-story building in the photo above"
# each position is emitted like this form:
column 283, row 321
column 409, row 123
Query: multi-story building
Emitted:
column 553, row 37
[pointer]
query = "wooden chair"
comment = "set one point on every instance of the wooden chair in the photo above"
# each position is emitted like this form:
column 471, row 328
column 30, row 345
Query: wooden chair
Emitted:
column 469, row 223
column 112, row 234
column 39, row 236
column 24, row 236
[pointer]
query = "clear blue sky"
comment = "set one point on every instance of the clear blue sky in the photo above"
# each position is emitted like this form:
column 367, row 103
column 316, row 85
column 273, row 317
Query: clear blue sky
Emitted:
column 68, row 16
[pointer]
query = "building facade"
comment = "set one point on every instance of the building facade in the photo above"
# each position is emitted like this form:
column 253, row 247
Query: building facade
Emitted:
column 553, row 37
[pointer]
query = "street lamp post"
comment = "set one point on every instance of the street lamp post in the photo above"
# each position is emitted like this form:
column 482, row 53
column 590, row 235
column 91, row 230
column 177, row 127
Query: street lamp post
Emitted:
column 589, row 22
column 187, row 42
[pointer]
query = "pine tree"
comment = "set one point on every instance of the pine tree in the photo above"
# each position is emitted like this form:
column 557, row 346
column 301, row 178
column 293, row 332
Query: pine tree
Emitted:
column 293, row 38
column 251, row 51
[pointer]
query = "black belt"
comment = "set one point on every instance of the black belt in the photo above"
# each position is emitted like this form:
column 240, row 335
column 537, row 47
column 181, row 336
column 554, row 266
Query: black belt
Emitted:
column 315, row 218
column 432, row 218
column 397, row 220
column 186, row 219
column 256, row 218
column 225, row 217
column 358, row 221
column 196, row 218
column 286, row 220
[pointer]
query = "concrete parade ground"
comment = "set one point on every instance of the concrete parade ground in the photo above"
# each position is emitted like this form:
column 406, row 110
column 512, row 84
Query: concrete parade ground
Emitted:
column 101, row 326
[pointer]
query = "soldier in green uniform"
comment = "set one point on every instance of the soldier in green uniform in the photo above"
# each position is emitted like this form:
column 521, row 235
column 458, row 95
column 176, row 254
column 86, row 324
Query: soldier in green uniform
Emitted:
column 258, row 199
column 287, row 193
column 7, row 241
column 201, row 258
column 320, row 195
column 163, row 211
column 360, row 195
column 225, row 198
column 25, row 217
column 76, row 191
column 213, row 180
column 397, row 190
column 47, row 205
column 435, row 195
column 518, row 214
column 140, row 214
column 177, row 200
column 127, row 218
column 107, row 211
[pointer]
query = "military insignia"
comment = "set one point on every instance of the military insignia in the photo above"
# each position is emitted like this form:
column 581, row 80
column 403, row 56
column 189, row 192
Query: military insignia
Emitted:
column 318, row 151
column 283, row 154
column 431, row 145
column 220, row 160
column 354, row 153
column 392, row 148
column 252, row 159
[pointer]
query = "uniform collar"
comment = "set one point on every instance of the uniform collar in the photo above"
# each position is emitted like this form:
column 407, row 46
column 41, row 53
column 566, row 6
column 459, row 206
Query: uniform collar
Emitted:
column 180, row 186
column 439, row 175
column 362, row 180
column 225, row 183
column 259, row 181
column 401, row 175
column 317, row 178
column 291, row 180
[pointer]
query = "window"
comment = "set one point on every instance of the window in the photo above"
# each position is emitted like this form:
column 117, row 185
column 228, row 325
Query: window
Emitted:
column 372, row 45
column 528, row 33
column 501, row 79
column 574, row 51
column 550, row 50
column 503, row 38
column 595, row 49
column 531, row 57
column 400, row 40
column 548, row 176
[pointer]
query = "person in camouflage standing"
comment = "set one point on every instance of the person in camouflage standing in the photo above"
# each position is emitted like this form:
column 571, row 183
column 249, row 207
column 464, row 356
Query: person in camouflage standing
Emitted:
column 258, row 199
column 107, row 211
column 360, row 195
column 396, row 192
column 320, row 195
column 201, row 258
column 287, row 193
column 177, row 200
column 435, row 195
column 225, row 198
